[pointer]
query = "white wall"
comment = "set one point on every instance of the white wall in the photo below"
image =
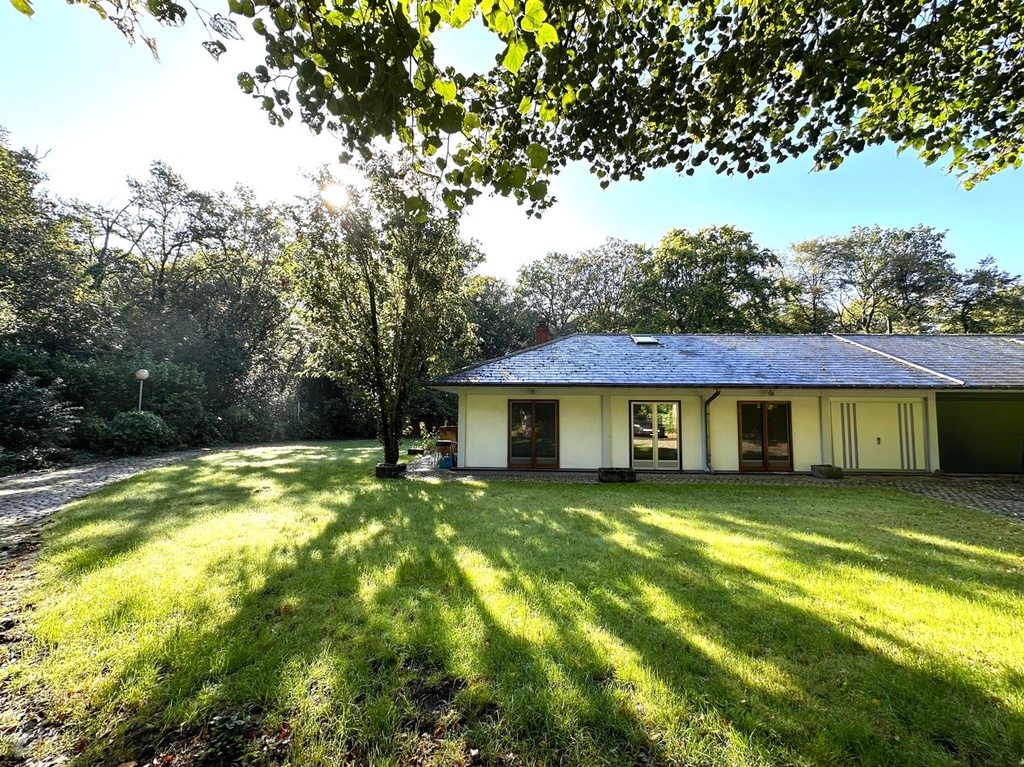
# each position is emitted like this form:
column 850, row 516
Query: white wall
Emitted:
column 485, row 441
column 595, row 431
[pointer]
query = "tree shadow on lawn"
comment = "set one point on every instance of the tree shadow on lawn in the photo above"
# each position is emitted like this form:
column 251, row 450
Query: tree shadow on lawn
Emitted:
column 424, row 621
column 159, row 502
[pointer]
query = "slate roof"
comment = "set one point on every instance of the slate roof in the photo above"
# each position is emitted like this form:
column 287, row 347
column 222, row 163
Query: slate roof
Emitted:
column 790, row 361
column 990, row 362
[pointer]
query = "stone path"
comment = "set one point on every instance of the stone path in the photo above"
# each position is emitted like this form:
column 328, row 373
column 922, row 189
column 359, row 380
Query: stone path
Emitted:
column 27, row 499
column 1002, row 495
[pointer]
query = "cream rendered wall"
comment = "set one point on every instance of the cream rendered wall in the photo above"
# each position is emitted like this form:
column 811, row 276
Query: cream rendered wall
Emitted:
column 805, row 412
column 595, row 427
column 484, row 441
column 579, row 431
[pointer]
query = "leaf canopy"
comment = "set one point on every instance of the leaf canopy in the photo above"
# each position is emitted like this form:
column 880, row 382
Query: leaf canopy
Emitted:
column 736, row 84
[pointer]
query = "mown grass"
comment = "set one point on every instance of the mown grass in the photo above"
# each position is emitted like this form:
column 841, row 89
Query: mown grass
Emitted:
column 506, row 623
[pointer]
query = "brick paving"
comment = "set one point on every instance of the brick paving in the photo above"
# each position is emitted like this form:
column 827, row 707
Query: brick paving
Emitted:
column 1003, row 495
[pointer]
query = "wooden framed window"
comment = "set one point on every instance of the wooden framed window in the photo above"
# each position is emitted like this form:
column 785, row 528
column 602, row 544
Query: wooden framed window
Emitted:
column 765, row 436
column 654, row 435
column 533, row 434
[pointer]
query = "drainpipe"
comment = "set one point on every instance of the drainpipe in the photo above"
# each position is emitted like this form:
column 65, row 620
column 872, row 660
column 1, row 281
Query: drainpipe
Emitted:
column 707, row 428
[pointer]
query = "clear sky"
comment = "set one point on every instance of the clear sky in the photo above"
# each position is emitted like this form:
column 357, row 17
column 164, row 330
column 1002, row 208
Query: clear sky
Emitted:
column 102, row 111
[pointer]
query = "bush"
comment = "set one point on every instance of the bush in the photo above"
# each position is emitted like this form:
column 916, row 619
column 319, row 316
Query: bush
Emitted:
column 183, row 411
column 243, row 424
column 135, row 433
column 35, row 424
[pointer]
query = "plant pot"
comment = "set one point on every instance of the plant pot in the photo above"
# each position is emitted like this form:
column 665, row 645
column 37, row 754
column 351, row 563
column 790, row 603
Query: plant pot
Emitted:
column 390, row 470
column 608, row 474
column 826, row 471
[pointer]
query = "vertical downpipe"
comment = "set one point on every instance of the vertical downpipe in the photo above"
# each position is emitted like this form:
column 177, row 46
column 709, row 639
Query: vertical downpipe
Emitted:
column 707, row 429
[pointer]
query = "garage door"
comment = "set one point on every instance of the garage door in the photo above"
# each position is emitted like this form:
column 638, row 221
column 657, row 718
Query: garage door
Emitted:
column 980, row 433
column 879, row 435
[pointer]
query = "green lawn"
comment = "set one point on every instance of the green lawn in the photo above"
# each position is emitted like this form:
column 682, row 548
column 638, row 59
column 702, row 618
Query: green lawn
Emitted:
column 313, row 613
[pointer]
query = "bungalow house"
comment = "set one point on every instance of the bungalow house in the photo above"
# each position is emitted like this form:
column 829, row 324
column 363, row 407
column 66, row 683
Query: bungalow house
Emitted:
column 774, row 403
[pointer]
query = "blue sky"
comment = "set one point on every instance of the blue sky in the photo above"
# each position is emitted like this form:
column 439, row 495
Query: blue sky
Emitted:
column 102, row 111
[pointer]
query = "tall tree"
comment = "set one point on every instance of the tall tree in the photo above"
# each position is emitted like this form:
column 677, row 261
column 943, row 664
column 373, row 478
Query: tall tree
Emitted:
column 891, row 280
column 381, row 290
column 500, row 323
column 810, row 283
column 630, row 87
column 716, row 280
column 587, row 291
column 984, row 299
column 554, row 288
column 44, row 298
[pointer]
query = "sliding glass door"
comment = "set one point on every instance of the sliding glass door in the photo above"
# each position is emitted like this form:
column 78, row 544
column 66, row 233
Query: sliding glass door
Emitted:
column 533, row 434
column 765, row 436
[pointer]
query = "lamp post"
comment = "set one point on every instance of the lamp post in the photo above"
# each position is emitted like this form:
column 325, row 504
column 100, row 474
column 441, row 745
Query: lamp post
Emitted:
column 142, row 374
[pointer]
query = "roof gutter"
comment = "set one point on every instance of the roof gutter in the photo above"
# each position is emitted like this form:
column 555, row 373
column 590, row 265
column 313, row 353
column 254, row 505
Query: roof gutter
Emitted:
column 707, row 428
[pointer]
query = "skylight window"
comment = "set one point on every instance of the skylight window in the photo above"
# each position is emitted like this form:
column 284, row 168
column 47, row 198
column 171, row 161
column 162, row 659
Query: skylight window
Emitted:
column 644, row 340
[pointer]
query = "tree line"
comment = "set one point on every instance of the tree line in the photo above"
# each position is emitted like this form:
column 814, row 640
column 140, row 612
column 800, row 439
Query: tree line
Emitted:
column 719, row 280
column 261, row 321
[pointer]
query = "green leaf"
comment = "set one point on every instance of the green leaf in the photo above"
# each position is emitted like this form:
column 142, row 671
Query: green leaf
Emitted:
column 502, row 23
column 546, row 36
column 471, row 122
column 538, row 190
column 525, row 105
column 451, row 119
column 284, row 20
column 533, row 16
column 548, row 112
column 463, row 12
column 415, row 206
column 515, row 56
column 242, row 7
column 23, row 6
column 445, row 89
column 246, row 83
column 538, row 156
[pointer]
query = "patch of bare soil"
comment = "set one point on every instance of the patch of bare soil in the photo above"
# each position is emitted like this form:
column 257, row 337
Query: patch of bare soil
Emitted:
column 30, row 734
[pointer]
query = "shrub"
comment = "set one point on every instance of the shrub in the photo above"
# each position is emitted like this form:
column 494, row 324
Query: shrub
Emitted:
column 135, row 433
column 35, row 423
column 183, row 411
column 246, row 424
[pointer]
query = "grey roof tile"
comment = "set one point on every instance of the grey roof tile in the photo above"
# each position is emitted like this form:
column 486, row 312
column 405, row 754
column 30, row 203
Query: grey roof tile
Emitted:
column 698, row 361
column 979, row 361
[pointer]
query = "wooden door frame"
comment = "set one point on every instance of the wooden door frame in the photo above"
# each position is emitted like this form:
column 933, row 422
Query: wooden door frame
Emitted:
column 764, row 433
column 533, row 441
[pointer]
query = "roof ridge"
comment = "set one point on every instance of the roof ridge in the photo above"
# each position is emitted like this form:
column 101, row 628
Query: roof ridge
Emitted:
column 894, row 358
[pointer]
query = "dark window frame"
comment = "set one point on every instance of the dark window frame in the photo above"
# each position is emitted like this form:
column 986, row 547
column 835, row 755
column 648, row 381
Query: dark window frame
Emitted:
column 764, row 467
column 533, row 442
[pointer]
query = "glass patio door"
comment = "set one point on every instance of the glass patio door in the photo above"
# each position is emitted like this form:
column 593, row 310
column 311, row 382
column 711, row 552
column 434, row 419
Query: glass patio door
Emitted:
column 765, row 436
column 655, row 430
column 533, row 435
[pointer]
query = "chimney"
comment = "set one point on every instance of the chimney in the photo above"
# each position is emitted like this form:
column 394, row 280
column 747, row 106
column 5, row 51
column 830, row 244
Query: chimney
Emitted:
column 543, row 332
